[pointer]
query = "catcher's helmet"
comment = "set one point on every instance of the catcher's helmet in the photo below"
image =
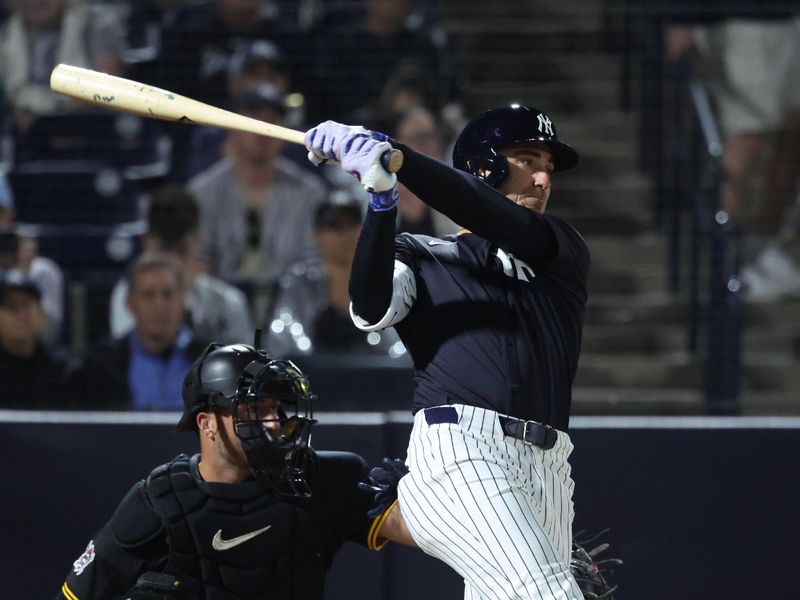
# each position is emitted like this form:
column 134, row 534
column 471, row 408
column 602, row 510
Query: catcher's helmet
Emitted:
column 477, row 149
column 271, row 406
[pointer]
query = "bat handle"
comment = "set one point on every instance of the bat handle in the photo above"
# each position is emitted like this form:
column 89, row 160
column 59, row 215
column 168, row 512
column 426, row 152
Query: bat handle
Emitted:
column 392, row 160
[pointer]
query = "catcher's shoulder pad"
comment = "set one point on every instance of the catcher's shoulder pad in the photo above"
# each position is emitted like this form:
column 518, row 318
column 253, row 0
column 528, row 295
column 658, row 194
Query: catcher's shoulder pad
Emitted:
column 134, row 523
column 340, row 469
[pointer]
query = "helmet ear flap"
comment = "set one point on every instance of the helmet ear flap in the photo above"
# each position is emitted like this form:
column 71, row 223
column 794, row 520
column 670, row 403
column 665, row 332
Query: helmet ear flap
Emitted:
column 491, row 171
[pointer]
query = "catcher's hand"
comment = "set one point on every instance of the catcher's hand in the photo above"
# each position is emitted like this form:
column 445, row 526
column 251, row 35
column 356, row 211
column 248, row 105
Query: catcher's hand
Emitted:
column 383, row 483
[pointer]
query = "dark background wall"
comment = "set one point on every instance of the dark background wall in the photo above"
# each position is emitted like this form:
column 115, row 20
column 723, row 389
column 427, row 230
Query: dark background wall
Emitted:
column 695, row 512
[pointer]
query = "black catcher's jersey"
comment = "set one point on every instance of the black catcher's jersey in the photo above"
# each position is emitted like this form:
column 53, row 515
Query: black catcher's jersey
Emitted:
column 248, row 543
column 498, row 314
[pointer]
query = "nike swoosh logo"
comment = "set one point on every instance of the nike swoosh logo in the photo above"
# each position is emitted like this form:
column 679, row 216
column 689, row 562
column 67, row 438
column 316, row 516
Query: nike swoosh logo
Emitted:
column 219, row 544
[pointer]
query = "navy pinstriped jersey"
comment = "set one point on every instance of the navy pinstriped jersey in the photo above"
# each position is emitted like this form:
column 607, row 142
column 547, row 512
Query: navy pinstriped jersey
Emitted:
column 495, row 325
column 489, row 330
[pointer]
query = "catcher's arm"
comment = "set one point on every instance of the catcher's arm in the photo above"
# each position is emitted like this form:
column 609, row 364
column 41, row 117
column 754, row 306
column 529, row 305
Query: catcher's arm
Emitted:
column 388, row 524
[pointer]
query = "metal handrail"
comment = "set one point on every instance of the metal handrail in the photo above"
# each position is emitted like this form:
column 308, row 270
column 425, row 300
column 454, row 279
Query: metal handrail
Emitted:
column 715, row 292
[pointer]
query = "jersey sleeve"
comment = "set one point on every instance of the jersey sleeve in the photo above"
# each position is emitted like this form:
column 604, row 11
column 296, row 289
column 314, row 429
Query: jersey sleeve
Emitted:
column 104, row 570
column 472, row 204
column 109, row 567
column 382, row 280
column 344, row 506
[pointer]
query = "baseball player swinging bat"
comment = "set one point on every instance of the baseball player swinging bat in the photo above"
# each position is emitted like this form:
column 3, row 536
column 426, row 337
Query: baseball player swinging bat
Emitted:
column 141, row 99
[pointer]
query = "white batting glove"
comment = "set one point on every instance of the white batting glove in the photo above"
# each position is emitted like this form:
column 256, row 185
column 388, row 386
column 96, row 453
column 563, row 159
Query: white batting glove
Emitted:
column 358, row 149
column 325, row 140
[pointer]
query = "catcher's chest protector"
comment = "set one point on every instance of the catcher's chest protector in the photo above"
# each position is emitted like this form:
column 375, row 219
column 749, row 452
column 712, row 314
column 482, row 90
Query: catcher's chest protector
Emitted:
column 235, row 542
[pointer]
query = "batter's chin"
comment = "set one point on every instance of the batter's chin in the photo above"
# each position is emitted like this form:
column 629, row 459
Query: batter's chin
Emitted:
column 533, row 203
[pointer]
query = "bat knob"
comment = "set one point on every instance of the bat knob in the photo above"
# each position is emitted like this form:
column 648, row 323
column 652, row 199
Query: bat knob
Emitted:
column 392, row 160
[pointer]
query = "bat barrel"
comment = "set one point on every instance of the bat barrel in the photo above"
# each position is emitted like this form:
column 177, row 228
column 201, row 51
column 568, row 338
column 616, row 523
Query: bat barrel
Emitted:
column 115, row 92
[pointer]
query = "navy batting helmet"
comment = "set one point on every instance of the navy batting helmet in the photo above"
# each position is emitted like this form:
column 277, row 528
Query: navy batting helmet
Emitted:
column 477, row 149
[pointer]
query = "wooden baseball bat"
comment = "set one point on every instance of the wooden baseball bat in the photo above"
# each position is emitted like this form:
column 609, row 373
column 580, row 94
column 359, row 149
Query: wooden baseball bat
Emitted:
column 145, row 100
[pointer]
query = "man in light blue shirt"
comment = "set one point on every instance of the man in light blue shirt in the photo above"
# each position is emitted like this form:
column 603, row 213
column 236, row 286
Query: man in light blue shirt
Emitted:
column 144, row 370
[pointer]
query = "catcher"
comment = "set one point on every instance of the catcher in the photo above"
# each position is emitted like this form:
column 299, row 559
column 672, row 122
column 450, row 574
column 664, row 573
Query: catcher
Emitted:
column 256, row 514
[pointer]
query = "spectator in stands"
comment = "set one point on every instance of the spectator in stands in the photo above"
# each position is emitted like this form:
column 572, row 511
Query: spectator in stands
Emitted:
column 357, row 58
column 256, row 205
column 196, row 57
column 42, row 33
column 19, row 258
column 198, row 49
column 409, row 88
column 312, row 305
column 144, row 370
column 749, row 54
column 260, row 61
column 215, row 310
column 32, row 375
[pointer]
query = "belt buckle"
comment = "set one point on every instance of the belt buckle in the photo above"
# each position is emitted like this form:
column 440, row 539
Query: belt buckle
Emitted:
column 550, row 436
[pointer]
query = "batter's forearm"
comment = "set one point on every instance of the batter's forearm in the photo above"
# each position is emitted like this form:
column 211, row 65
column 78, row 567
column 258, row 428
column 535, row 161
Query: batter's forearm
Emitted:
column 373, row 266
column 474, row 205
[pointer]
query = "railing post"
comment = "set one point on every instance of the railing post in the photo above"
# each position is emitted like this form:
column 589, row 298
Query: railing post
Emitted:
column 722, row 376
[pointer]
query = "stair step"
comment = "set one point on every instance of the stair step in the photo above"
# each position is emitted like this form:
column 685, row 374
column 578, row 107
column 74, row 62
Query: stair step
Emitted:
column 587, row 400
column 632, row 338
column 482, row 65
column 647, row 308
column 621, row 371
column 781, row 403
column 590, row 223
column 773, row 315
column 512, row 24
column 560, row 96
column 600, row 124
column 646, row 249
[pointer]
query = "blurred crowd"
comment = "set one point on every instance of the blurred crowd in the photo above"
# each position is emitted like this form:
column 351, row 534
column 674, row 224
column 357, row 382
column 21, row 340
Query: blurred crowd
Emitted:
column 156, row 238
column 126, row 244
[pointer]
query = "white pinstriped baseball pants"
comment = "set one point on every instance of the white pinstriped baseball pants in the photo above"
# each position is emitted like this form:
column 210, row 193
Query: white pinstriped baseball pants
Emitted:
column 494, row 508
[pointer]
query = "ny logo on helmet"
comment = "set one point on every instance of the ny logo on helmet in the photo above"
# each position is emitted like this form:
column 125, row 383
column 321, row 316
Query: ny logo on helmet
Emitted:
column 545, row 124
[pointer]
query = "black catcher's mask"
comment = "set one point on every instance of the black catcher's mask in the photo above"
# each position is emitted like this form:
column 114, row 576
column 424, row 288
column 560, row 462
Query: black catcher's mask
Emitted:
column 271, row 406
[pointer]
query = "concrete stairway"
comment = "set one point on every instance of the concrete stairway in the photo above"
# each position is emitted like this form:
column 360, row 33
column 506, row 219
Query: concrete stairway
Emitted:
column 635, row 358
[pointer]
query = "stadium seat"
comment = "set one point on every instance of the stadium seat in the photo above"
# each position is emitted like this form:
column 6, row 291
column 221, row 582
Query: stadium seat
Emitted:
column 73, row 192
column 138, row 147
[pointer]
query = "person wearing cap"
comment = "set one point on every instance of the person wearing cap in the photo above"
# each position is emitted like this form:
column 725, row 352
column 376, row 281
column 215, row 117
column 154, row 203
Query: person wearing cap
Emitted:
column 312, row 305
column 33, row 376
column 253, row 63
column 19, row 256
column 255, row 204
column 260, row 61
